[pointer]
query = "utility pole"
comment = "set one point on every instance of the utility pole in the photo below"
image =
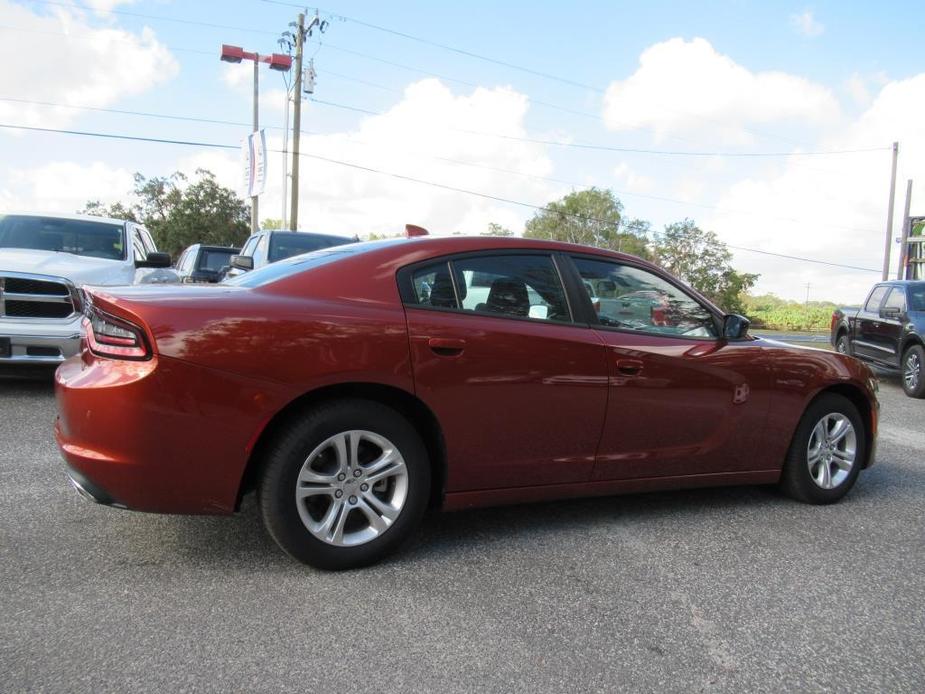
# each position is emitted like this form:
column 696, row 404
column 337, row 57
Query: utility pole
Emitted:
column 297, row 120
column 301, row 33
column 889, row 217
column 904, row 242
column 255, row 217
column 808, row 285
column 285, row 210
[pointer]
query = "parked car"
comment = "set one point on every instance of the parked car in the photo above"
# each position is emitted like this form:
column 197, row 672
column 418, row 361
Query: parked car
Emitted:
column 267, row 247
column 887, row 331
column 44, row 259
column 351, row 399
column 200, row 263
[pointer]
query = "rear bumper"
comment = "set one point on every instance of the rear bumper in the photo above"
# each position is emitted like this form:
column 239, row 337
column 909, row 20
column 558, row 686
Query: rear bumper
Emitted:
column 161, row 435
column 36, row 341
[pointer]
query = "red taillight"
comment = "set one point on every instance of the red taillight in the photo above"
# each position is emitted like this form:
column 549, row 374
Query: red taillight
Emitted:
column 108, row 336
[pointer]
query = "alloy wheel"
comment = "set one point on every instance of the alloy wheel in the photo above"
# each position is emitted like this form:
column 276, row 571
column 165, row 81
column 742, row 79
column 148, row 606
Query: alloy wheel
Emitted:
column 351, row 488
column 912, row 371
column 831, row 451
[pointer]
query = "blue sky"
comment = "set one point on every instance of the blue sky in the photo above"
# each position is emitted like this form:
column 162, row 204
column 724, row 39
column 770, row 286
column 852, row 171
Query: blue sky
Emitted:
column 763, row 77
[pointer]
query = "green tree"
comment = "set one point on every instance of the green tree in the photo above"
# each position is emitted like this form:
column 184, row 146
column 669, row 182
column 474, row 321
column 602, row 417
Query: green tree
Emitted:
column 497, row 230
column 699, row 258
column 590, row 217
column 116, row 210
column 271, row 224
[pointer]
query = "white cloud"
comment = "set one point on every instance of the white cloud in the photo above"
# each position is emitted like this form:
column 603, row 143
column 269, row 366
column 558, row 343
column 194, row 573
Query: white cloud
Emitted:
column 106, row 6
column 64, row 186
column 88, row 67
column 806, row 24
column 687, row 87
column 633, row 181
column 834, row 207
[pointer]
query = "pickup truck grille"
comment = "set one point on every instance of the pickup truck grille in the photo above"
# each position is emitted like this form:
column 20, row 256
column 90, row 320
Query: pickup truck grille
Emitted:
column 25, row 296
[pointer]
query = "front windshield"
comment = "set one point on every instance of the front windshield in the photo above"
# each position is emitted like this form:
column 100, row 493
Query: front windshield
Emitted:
column 80, row 237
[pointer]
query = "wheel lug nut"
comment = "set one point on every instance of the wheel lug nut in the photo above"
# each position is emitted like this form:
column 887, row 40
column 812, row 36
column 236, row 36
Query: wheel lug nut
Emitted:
column 342, row 477
column 357, row 473
column 338, row 494
column 364, row 487
column 353, row 499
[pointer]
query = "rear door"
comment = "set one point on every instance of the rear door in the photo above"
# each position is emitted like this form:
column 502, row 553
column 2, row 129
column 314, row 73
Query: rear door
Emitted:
column 518, row 385
column 868, row 326
column 682, row 400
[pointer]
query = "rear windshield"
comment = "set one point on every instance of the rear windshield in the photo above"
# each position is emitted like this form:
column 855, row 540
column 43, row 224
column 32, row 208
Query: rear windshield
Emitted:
column 301, row 263
column 215, row 259
column 77, row 236
column 287, row 245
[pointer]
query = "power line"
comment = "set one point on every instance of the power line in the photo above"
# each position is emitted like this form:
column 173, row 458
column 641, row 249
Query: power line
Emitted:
column 623, row 150
column 391, row 174
column 154, row 17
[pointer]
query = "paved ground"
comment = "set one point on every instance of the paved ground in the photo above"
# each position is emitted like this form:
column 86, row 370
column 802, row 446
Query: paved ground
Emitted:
column 722, row 590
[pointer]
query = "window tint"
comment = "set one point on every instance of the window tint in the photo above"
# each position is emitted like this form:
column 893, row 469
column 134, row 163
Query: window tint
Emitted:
column 521, row 286
column 214, row 259
column 876, row 296
column 286, row 245
column 630, row 298
column 431, row 286
column 896, row 299
column 917, row 297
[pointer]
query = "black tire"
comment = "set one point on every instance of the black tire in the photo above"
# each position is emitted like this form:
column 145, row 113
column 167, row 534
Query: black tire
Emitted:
column 843, row 344
column 292, row 445
column 796, row 479
column 913, row 359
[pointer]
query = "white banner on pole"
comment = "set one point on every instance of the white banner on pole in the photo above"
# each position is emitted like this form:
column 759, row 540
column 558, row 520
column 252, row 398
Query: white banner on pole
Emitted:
column 254, row 164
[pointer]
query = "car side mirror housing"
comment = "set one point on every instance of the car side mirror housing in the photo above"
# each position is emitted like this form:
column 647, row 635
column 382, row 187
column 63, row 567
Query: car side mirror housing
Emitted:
column 889, row 312
column 735, row 327
column 154, row 260
column 242, row 262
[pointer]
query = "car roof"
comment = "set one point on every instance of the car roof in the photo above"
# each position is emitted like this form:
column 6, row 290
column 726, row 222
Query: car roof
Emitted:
column 75, row 217
column 314, row 234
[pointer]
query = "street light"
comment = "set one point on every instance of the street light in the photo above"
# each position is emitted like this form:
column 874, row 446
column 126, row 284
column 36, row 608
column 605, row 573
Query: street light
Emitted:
column 276, row 61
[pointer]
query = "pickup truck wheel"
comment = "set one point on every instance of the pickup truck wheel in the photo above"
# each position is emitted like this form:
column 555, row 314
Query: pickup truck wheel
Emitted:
column 843, row 344
column 912, row 371
column 344, row 484
column 827, row 451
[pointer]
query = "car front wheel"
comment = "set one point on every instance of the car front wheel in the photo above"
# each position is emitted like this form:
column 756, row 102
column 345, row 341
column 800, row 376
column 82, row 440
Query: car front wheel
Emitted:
column 913, row 378
column 827, row 452
column 344, row 484
column 843, row 345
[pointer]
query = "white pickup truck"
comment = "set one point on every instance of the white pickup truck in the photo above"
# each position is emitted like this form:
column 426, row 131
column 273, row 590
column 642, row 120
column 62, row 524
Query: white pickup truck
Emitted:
column 44, row 259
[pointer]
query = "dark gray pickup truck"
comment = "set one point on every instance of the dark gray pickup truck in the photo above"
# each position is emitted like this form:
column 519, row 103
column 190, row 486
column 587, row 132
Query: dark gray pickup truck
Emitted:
column 888, row 331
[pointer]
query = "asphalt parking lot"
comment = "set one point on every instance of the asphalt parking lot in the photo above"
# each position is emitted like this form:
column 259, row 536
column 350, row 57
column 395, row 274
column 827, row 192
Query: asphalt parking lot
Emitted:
column 711, row 590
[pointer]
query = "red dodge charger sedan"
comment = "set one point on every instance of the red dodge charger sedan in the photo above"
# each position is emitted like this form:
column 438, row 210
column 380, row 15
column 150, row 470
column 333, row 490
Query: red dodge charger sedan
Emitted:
column 356, row 386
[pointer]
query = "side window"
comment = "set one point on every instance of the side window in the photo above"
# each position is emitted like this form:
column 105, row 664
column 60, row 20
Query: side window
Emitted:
column 182, row 259
column 249, row 246
column 631, row 298
column 873, row 301
column 147, row 240
column 431, row 286
column 186, row 264
column 137, row 246
column 896, row 299
column 520, row 286
column 260, row 253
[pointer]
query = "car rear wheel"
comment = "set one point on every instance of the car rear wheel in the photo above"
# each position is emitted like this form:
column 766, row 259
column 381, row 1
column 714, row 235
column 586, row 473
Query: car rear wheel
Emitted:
column 843, row 345
column 345, row 484
column 827, row 452
column 913, row 378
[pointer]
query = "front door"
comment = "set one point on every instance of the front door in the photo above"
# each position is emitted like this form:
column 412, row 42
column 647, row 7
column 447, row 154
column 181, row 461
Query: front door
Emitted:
column 519, row 387
column 682, row 401
column 868, row 326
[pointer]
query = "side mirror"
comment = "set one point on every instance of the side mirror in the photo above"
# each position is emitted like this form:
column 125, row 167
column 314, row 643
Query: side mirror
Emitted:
column 154, row 260
column 242, row 262
column 735, row 327
column 889, row 312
